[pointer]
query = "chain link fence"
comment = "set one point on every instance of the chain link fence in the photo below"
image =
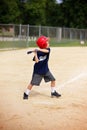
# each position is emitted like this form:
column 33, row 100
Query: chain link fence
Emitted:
column 14, row 36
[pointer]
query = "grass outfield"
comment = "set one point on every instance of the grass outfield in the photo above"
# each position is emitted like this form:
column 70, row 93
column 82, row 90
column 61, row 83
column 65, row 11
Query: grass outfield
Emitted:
column 24, row 44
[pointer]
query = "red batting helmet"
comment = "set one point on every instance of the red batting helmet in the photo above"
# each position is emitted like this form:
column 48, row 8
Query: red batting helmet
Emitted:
column 42, row 42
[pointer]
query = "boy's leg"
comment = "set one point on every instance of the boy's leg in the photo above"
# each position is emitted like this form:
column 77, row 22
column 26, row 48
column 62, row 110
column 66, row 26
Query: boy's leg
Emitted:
column 26, row 93
column 49, row 77
column 53, row 90
column 36, row 80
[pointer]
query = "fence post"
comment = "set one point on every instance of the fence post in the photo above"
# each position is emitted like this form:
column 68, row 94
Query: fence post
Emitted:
column 48, row 31
column 20, row 31
column 40, row 30
column 27, row 34
column 71, row 36
column 59, row 34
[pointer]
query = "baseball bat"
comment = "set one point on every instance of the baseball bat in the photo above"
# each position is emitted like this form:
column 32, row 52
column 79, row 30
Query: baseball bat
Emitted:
column 29, row 52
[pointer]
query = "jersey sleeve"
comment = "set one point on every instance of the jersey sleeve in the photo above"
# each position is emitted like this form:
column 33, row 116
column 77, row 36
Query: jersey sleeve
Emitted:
column 48, row 49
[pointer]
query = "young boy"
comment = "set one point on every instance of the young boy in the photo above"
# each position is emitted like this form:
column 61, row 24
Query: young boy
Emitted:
column 41, row 69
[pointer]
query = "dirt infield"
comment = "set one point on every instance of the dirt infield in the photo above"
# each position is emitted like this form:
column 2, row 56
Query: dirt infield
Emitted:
column 40, row 111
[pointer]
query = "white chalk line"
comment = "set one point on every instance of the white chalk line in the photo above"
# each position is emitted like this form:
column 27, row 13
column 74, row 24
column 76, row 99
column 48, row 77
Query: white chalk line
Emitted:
column 73, row 79
column 81, row 75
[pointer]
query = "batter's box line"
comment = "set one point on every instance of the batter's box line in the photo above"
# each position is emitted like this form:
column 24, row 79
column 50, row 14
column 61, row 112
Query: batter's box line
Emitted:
column 82, row 75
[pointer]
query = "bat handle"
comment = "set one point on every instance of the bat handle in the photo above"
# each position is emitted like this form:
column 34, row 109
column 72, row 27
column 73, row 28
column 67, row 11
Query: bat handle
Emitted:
column 29, row 52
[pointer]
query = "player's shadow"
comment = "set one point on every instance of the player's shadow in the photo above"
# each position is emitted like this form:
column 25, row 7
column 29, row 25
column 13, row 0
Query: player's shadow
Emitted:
column 37, row 94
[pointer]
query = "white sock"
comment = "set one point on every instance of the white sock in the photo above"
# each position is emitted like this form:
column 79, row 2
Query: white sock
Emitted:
column 53, row 89
column 27, row 91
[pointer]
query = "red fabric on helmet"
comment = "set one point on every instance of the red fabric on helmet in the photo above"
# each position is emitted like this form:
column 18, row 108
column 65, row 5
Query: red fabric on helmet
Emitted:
column 42, row 42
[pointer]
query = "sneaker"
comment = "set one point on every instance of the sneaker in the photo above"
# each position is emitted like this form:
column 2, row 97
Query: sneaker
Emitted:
column 55, row 94
column 25, row 96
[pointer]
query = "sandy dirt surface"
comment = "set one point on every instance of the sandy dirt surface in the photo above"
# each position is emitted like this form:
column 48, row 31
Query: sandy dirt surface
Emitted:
column 40, row 111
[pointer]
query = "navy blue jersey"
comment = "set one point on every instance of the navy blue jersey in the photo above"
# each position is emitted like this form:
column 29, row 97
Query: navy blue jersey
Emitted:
column 42, row 66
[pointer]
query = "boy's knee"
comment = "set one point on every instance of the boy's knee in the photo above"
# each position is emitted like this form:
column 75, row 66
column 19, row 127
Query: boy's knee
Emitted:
column 53, row 83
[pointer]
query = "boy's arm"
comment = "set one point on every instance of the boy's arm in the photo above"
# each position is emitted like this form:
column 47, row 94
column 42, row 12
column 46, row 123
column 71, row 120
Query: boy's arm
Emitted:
column 44, row 50
column 35, row 57
column 35, row 54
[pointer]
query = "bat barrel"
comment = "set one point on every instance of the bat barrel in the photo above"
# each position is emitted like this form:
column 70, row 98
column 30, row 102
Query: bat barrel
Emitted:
column 29, row 52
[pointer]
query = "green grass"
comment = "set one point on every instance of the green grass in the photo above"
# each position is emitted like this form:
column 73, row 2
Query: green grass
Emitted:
column 24, row 44
column 68, row 44
column 12, row 44
column 61, row 44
